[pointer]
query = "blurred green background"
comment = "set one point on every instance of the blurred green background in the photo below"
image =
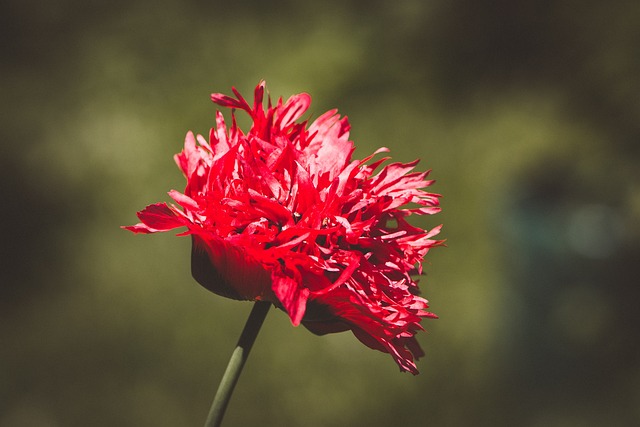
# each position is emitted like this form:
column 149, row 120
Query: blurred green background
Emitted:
column 527, row 112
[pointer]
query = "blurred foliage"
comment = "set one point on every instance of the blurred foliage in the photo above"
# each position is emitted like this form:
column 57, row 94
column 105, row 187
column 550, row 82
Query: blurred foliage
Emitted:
column 527, row 112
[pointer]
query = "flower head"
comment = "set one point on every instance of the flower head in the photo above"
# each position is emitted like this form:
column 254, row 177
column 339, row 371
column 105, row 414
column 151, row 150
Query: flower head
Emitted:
column 283, row 214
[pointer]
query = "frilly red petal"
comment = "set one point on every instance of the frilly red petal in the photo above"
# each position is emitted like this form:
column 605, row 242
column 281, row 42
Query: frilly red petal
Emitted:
column 156, row 218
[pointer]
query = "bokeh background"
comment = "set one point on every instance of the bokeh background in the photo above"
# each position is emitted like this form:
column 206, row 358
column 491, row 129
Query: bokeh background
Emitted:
column 527, row 112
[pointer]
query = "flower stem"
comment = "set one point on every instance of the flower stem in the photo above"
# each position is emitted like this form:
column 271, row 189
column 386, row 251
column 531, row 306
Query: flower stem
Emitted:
column 236, row 362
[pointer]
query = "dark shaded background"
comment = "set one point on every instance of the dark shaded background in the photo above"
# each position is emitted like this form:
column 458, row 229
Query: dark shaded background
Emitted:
column 527, row 112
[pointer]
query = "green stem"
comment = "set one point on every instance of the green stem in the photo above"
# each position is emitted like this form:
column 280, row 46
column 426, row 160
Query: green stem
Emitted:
column 238, row 358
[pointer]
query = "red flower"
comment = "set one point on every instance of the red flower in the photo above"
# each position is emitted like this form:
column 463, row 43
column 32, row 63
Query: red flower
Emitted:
column 283, row 214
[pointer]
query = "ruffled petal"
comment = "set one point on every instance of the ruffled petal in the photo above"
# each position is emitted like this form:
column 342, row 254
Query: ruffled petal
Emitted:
column 156, row 218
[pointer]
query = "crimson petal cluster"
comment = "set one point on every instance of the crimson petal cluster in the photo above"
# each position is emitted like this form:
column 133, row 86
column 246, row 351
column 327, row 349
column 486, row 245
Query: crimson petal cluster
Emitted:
column 283, row 214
